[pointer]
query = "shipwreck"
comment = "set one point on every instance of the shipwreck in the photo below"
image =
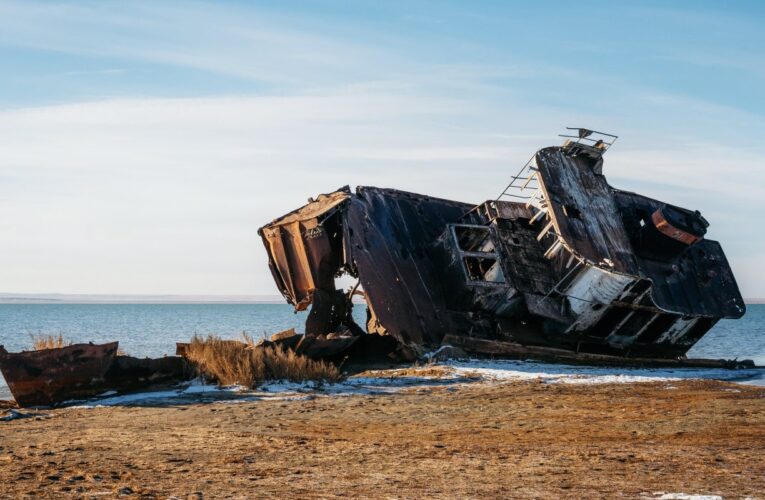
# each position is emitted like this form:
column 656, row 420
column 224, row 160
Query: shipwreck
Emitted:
column 560, row 265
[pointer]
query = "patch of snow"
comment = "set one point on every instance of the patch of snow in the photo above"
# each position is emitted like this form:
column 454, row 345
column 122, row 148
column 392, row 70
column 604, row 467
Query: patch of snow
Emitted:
column 684, row 496
column 570, row 374
column 129, row 398
column 195, row 387
column 281, row 386
column 462, row 372
column 198, row 386
column 357, row 385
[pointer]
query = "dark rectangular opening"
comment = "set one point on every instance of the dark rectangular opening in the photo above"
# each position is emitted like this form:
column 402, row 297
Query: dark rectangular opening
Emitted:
column 486, row 269
column 609, row 321
column 634, row 323
column 474, row 239
column 657, row 327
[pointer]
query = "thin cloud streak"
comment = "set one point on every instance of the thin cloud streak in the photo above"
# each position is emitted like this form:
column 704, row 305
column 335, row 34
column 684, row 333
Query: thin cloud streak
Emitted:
column 174, row 188
column 135, row 193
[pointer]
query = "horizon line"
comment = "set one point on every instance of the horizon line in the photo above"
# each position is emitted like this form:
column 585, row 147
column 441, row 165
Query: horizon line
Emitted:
column 125, row 298
column 169, row 298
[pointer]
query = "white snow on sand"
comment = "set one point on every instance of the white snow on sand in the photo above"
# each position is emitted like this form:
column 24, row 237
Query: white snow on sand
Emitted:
column 194, row 388
column 683, row 496
column 455, row 373
column 476, row 371
column 568, row 374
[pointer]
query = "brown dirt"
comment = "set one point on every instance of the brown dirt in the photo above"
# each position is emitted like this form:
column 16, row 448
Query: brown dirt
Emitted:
column 521, row 439
column 426, row 371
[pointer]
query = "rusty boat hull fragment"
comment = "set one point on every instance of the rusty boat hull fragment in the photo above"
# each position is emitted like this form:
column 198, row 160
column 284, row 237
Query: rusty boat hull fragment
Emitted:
column 559, row 260
column 48, row 376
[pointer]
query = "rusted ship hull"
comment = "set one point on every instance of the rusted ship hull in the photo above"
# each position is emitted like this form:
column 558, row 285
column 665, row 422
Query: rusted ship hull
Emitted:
column 560, row 260
column 45, row 377
column 128, row 373
column 50, row 376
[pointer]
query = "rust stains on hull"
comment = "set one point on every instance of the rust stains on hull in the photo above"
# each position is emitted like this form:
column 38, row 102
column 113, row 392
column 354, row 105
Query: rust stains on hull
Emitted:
column 50, row 376
column 44, row 377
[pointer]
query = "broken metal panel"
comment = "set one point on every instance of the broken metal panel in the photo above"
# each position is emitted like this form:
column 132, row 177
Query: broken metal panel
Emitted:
column 525, row 264
column 548, row 308
column 590, row 294
column 391, row 239
column 687, row 279
column 314, row 208
column 679, row 328
column 305, row 248
column 700, row 282
column 583, row 211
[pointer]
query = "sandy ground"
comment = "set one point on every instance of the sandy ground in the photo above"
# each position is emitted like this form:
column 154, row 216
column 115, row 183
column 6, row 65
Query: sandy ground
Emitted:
column 521, row 439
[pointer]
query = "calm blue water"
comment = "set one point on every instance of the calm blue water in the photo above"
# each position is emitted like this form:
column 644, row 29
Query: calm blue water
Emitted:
column 153, row 329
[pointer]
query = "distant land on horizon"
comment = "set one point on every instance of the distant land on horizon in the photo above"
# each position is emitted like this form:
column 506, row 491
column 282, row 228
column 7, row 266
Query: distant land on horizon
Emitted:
column 65, row 298
column 74, row 298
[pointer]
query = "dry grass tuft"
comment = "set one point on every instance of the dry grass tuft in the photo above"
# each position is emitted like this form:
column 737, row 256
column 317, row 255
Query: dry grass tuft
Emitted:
column 43, row 342
column 232, row 362
column 426, row 371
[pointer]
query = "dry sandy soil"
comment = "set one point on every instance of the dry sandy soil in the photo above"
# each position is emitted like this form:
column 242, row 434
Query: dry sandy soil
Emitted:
column 487, row 440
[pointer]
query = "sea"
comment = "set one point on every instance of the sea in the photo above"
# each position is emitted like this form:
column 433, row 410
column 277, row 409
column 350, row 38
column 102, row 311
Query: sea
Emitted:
column 153, row 329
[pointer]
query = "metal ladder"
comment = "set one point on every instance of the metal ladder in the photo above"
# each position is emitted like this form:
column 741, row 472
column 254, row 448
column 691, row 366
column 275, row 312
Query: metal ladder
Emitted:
column 523, row 185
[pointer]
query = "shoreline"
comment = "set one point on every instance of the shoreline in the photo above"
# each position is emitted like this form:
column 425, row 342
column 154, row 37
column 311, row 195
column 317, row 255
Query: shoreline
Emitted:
column 509, row 370
column 526, row 438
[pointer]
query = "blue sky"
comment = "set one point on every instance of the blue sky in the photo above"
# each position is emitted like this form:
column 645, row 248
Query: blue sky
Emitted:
column 143, row 143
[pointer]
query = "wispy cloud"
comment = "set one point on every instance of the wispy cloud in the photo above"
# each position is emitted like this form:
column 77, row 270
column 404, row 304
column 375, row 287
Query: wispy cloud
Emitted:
column 175, row 189
column 206, row 36
column 183, row 183
column 136, row 193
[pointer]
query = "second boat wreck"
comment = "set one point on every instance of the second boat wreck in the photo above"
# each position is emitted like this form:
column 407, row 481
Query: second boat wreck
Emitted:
column 560, row 264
